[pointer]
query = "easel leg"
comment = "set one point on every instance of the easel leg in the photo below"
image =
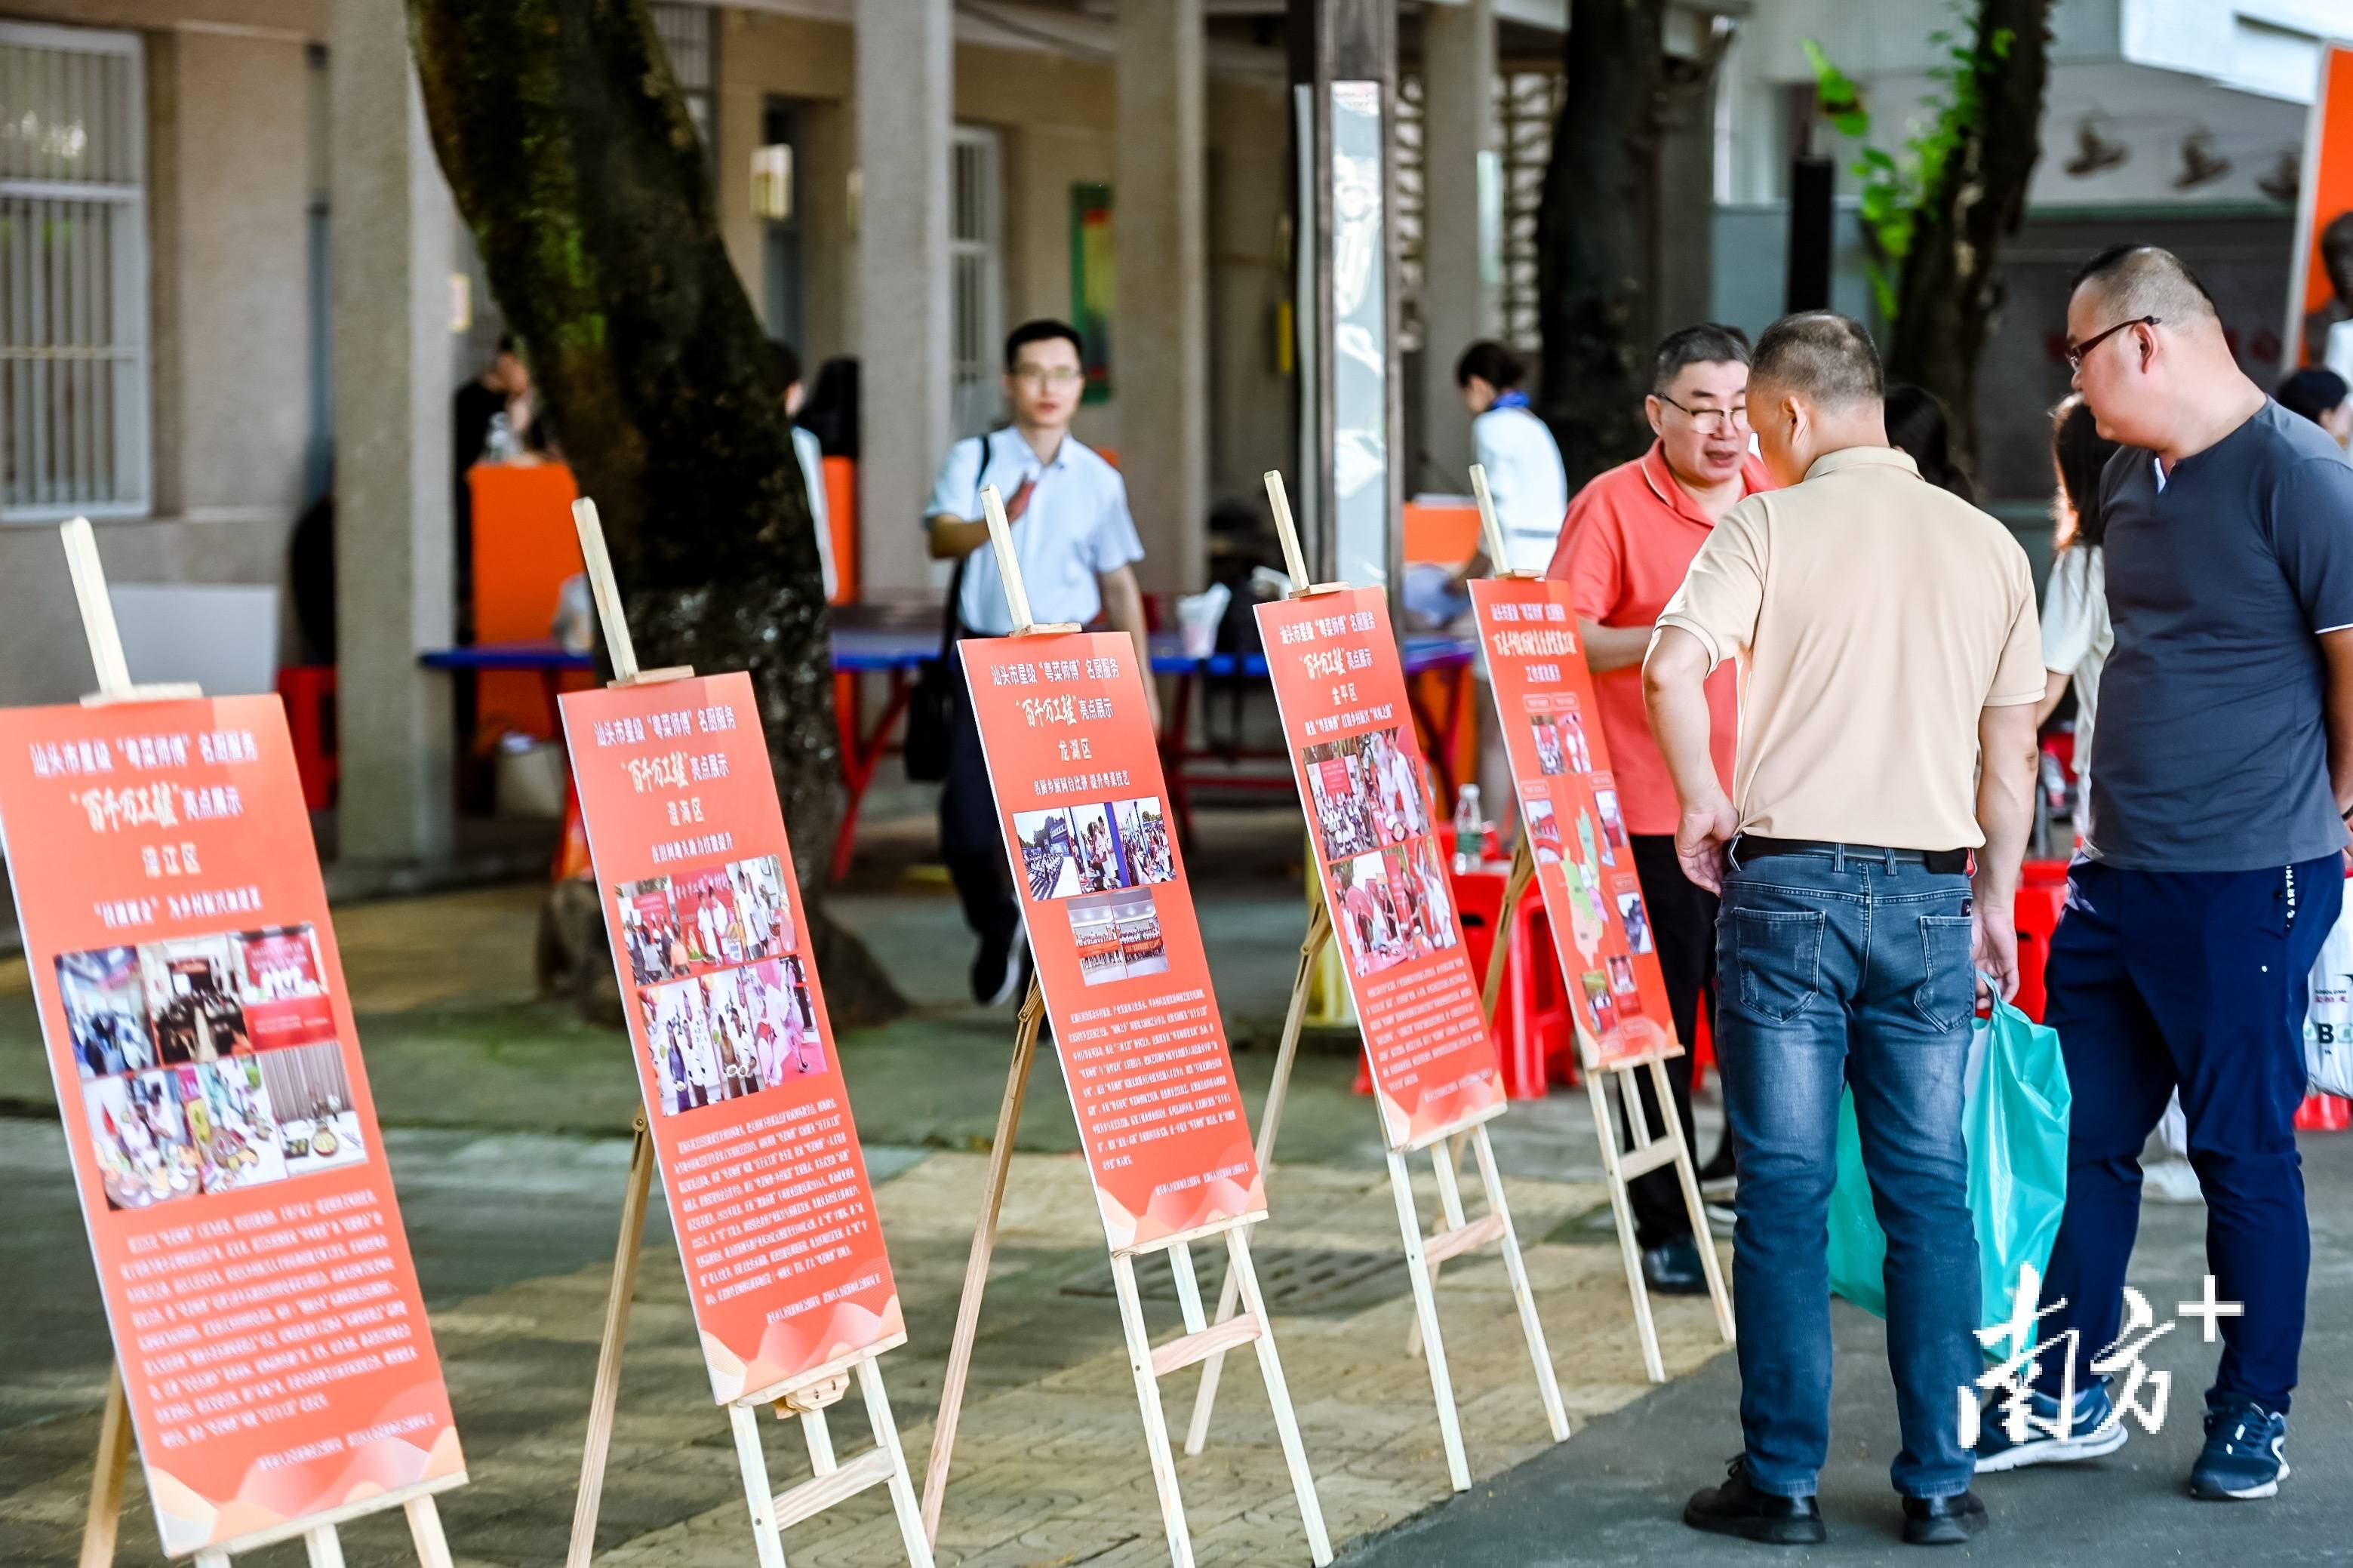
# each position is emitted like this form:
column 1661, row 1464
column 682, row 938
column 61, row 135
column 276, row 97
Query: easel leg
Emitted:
column 1516, row 887
column 1155, row 1424
column 425, row 1529
column 902, row 1489
column 976, row 1271
column 1278, row 1394
column 820, row 1443
column 1319, row 931
column 1622, row 1212
column 324, row 1547
column 1547, row 1381
column 1446, row 1161
column 1689, row 1178
column 765, row 1537
column 98, row 1530
column 607, row 1386
column 1425, row 1306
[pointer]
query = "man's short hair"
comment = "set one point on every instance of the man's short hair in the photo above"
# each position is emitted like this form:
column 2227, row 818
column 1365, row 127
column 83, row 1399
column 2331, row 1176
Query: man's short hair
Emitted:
column 1043, row 330
column 784, row 362
column 2338, row 237
column 1710, row 343
column 1491, row 362
column 2136, row 281
column 1825, row 356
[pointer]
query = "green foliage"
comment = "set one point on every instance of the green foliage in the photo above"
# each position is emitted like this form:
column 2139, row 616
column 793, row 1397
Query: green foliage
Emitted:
column 1896, row 185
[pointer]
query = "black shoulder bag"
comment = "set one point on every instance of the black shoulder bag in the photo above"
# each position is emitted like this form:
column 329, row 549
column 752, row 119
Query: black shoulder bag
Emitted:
column 931, row 707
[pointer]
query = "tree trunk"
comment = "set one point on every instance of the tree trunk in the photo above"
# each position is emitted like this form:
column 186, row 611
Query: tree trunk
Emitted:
column 571, row 158
column 1950, row 291
column 1596, row 235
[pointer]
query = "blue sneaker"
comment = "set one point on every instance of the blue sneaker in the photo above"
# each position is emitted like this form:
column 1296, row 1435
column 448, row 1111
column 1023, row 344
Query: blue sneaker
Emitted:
column 2096, row 1430
column 2244, row 1455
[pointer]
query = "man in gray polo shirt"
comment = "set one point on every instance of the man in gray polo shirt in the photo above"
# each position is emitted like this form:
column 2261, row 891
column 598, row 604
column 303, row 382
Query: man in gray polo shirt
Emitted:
column 2212, row 869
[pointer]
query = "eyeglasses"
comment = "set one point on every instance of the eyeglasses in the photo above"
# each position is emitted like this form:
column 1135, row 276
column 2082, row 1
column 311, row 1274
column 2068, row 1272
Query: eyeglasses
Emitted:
column 1713, row 419
column 1059, row 377
column 2075, row 352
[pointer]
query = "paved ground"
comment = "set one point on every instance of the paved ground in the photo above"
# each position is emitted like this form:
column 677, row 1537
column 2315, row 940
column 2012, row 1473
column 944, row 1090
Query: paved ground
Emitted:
column 504, row 1116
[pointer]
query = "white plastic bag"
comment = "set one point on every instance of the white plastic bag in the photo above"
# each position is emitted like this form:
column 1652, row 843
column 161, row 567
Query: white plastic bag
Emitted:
column 2328, row 1018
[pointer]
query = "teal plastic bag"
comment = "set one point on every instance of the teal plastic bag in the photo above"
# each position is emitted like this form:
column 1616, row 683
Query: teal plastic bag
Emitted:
column 2014, row 1110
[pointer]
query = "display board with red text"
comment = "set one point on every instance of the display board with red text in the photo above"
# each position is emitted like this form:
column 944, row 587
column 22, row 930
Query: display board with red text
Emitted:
column 254, row 1274
column 1075, row 766
column 767, row 1187
column 1339, row 683
column 1570, row 819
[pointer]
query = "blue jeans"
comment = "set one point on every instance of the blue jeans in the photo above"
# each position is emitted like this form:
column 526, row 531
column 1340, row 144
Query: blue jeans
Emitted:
column 2200, row 980
column 1836, row 970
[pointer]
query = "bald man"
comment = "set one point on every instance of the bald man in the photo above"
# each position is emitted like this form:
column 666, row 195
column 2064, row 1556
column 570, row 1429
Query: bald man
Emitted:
column 1887, row 644
column 2211, row 866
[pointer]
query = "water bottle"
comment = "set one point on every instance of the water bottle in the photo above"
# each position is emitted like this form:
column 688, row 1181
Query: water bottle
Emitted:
column 1470, row 830
column 500, row 446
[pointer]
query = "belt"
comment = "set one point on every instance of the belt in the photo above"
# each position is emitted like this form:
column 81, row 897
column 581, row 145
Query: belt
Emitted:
column 1942, row 862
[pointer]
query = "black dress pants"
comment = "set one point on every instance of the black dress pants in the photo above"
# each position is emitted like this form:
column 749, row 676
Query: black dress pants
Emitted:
column 970, row 840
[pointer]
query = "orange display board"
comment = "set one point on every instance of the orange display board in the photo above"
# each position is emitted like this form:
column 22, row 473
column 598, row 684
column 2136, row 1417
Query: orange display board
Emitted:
column 524, row 547
column 256, row 1280
column 1339, row 685
column 1443, row 533
column 1570, row 820
column 1076, row 770
column 743, row 1096
column 2313, row 304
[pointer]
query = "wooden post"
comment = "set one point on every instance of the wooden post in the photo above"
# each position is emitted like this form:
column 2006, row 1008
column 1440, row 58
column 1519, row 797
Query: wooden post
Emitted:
column 1009, row 566
column 608, row 592
column 976, row 1268
column 105, row 1514
column 1293, row 560
column 606, row 1392
column 1491, row 529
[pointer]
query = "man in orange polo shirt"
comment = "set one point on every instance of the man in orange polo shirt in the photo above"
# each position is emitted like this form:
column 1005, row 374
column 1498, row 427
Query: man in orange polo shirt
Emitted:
column 1629, row 537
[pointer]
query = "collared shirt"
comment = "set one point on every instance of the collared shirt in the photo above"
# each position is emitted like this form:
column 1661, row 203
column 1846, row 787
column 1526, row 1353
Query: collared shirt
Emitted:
column 1875, row 616
column 1630, row 537
column 2221, row 575
column 1076, row 528
column 1525, row 476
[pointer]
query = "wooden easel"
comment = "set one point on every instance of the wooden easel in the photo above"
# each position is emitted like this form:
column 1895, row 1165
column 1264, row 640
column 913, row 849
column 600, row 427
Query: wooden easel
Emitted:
column 101, row 1523
column 1619, row 1165
column 1199, row 1342
column 807, row 1395
column 1423, row 1254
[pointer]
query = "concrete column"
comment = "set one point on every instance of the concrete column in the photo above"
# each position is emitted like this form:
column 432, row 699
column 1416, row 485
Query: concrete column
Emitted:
column 1160, row 325
column 394, row 236
column 906, row 95
column 1458, row 297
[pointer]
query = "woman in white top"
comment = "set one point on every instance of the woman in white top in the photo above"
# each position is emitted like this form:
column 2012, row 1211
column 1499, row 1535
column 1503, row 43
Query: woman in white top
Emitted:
column 2076, row 635
column 1516, row 448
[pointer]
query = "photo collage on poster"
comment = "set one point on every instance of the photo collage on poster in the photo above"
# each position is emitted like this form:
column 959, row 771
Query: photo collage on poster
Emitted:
column 208, row 1064
column 1372, row 817
column 718, row 971
column 1577, row 829
column 1102, row 858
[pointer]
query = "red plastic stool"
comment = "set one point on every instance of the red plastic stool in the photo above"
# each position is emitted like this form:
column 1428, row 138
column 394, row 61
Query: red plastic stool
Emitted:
column 309, row 692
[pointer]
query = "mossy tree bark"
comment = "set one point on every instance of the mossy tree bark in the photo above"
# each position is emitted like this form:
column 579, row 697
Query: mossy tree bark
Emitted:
column 1596, row 234
column 1949, row 291
column 568, row 147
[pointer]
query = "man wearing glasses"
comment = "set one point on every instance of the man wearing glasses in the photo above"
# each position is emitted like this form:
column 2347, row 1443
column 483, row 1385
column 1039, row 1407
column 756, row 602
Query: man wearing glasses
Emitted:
column 1077, row 548
column 2211, row 871
column 1629, row 538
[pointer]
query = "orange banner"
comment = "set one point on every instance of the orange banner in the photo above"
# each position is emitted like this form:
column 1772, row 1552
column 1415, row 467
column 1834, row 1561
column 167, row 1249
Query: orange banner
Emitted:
column 1569, row 812
column 1076, row 770
column 743, row 1094
column 256, row 1276
column 1339, row 684
column 2321, row 300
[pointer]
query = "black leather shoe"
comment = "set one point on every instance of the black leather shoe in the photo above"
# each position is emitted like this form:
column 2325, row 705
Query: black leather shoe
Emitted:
column 1737, row 1508
column 1943, row 1520
column 1674, row 1270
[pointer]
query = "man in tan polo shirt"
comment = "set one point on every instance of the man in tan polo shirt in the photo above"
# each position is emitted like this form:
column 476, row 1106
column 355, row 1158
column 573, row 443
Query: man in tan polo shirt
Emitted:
column 1886, row 637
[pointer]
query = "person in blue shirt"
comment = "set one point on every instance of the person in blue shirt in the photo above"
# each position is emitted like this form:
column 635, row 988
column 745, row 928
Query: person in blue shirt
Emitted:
column 1077, row 548
column 2212, row 865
